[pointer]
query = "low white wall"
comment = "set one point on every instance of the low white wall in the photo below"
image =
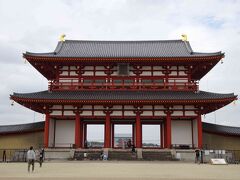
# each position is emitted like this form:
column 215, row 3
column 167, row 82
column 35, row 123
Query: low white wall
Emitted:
column 65, row 133
column 185, row 155
column 181, row 132
column 195, row 133
column 59, row 154
column 51, row 133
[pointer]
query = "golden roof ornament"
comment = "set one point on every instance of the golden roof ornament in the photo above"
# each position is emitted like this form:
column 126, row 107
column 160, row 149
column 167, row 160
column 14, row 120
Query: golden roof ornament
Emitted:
column 62, row 37
column 184, row 37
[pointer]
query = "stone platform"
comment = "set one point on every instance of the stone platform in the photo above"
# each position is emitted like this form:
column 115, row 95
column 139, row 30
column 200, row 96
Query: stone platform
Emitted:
column 115, row 154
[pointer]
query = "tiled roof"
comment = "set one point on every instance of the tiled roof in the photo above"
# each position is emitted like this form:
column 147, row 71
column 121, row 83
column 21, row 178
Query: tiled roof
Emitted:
column 214, row 128
column 20, row 128
column 123, row 95
column 163, row 48
column 207, row 127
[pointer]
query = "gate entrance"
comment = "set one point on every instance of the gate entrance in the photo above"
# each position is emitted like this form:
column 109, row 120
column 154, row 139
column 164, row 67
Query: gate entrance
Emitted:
column 151, row 136
column 94, row 136
column 122, row 135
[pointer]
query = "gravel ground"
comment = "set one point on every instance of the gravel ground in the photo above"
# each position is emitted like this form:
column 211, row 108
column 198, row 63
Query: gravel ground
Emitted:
column 93, row 170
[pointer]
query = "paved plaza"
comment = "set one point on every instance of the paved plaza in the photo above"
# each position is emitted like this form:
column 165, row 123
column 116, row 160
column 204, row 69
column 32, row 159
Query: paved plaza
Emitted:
column 120, row 170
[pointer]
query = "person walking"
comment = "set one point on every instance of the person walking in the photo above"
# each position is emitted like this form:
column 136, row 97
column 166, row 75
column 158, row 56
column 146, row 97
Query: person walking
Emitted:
column 31, row 156
column 41, row 157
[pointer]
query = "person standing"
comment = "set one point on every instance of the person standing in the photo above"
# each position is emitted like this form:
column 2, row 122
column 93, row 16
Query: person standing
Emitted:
column 133, row 148
column 31, row 156
column 201, row 152
column 129, row 143
column 4, row 156
column 41, row 157
column 197, row 158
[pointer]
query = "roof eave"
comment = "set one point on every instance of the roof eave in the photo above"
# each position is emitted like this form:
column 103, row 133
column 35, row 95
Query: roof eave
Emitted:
column 15, row 98
column 34, row 57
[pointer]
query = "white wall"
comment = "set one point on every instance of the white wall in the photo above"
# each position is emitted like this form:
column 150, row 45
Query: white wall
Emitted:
column 190, row 113
column 147, row 113
column 100, row 73
column 86, row 113
column 177, row 113
column 195, row 133
column 181, row 132
column 129, row 113
column 116, row 113
column 65, row 133
column 51, row 132
column 56, row 112
column 160, row 113
column 99, row 113
column 69, row 113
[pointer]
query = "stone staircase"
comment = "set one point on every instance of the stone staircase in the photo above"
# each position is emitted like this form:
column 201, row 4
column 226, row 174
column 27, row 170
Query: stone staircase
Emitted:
column 157, row 155
column 89, row 154
column 124, row 154
column 121, row 155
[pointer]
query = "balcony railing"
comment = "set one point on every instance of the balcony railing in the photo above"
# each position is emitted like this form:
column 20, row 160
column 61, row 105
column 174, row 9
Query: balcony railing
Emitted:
column 122, row 84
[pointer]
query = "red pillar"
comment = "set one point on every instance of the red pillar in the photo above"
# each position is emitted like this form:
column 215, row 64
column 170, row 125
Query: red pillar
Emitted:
column 107, row 139
column 78, row 141
column 199, row 122
column 133, row 134
column 192, row 134
column 112, row 135
column 81, row 134
column 85, row 135
column 169, row 133
column 138, row 131
column 161, row 134
column 46, row 130
column 165, row 134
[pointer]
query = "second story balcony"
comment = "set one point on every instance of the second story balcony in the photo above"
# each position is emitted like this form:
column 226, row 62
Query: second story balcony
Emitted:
column 121, row 83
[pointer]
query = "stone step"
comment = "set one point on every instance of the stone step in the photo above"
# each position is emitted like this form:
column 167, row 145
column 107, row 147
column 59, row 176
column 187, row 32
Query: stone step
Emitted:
column 122, row 155
column 159, row 155
column 90, row 155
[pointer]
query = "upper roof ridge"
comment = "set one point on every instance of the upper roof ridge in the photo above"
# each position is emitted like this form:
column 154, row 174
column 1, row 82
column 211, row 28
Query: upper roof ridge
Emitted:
column 123, row 49
column 120, row 41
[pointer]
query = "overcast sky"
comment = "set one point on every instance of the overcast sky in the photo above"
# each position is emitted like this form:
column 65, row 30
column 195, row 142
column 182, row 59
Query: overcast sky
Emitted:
column 35, row 26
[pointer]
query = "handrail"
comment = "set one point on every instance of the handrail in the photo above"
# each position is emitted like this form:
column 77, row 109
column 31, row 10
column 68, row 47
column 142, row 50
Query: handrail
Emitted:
column 123, row 83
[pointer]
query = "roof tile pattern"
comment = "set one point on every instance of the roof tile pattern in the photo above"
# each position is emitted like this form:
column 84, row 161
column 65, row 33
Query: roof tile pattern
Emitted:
column 123, row 95
column 8, row 129
column 108, row 49
column 214, row 128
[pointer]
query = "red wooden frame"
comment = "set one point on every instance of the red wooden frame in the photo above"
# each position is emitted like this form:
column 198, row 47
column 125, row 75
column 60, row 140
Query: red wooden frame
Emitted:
column 183, row 77
column 48, row 66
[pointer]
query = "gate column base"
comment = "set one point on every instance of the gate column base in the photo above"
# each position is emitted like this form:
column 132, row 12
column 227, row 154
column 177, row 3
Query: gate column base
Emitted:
column 139, row 153
column 105, row 151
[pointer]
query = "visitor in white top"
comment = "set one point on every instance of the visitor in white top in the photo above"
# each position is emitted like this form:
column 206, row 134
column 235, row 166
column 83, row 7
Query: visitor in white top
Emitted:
column 31, row 156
